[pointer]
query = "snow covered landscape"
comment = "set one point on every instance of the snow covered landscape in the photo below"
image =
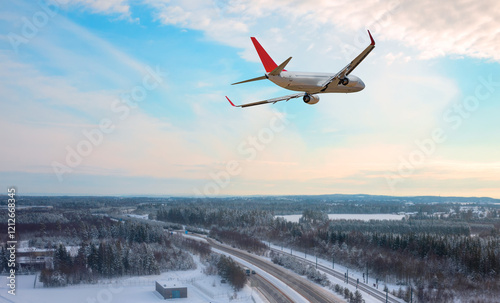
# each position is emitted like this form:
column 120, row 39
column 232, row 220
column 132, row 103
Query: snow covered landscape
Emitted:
column 201, row 288
column 118, row 252
column 363, row 217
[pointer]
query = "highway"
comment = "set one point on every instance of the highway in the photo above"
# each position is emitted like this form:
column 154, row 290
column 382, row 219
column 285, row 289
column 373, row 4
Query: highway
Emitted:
column 307, row 289
column 377, row 294
column 311, row 292
column 268, row 290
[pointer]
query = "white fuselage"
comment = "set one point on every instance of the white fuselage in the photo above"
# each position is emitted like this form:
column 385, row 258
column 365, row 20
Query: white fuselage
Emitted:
column 313, row 83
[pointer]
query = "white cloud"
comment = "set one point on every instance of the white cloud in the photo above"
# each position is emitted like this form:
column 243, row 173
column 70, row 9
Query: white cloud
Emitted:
column 120, row 7
column 362, row 135
column 466, row 27
column 390, row 57
column 201, row 15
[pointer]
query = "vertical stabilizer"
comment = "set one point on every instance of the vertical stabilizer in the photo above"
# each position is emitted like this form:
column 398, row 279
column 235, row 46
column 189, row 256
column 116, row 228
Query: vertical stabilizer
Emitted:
column 267, row 61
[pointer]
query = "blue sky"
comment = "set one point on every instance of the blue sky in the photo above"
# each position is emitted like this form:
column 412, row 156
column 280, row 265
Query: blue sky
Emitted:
column 426, row 123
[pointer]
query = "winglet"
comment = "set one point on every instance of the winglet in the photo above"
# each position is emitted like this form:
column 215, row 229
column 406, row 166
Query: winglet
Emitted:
column 371, row 38
column 230, row 101
column 267, row 61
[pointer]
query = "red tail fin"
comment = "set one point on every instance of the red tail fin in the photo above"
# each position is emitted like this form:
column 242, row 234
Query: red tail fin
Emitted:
column 268, row 63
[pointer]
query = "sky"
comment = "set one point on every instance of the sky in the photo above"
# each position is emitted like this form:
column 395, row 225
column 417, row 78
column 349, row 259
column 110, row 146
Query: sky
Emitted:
column 127, row 97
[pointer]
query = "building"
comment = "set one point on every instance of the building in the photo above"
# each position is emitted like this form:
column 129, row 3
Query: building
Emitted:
column 32, row 258
column 171, row 291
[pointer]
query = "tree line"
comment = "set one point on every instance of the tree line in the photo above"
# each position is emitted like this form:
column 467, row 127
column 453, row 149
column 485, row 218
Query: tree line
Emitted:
column 113, row 258
column 106, row 247
column 434, row 255
column 227, row 269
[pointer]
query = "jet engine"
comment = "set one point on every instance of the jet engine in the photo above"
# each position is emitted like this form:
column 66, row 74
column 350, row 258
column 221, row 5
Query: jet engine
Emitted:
column 344, row 81
column 310, row 99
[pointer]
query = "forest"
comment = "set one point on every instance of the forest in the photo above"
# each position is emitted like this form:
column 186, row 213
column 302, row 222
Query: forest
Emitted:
column 106, row 247
column 442, row 251
column 446, row 249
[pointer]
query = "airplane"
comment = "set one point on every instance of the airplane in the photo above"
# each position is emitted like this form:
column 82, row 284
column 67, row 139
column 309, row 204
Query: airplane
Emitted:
column 309, row 84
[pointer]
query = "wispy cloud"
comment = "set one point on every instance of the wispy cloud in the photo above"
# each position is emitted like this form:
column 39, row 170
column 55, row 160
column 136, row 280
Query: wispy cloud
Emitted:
column 470, row 28
column 118, row 7
column 67, row 77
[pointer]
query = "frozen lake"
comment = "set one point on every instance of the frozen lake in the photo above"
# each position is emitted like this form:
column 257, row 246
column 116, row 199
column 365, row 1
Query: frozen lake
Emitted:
column 363, row 217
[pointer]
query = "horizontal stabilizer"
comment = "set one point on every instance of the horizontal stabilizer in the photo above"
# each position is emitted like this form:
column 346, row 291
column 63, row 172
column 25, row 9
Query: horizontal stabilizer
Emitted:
column 250, row 80
column 279, row 68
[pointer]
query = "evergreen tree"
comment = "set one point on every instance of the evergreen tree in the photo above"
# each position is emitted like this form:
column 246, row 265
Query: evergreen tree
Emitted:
column 93, row 258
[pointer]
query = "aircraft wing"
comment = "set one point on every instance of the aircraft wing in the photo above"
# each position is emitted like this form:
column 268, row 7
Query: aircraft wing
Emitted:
column 274, row 100
column 351, row 66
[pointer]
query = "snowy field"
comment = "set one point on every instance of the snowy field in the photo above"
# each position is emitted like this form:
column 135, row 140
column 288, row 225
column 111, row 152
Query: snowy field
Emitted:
column 201, row 288
column 363, row 217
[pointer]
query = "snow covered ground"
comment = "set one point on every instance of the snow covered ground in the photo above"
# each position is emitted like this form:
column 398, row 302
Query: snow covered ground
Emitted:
column 201, row 288
column 363, row 217
column 145, row 217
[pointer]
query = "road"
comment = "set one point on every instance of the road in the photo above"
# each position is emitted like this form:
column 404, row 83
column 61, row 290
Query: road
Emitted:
column 313, row 293
column 377, row 294
column 268, row 290
column 308, row 287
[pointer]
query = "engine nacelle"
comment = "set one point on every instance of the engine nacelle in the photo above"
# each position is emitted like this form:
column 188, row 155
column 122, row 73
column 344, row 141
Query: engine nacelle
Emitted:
column 310, row 99
column 344, row 81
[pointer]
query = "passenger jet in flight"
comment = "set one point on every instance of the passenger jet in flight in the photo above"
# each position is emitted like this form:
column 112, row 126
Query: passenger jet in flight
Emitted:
column 309, row 84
